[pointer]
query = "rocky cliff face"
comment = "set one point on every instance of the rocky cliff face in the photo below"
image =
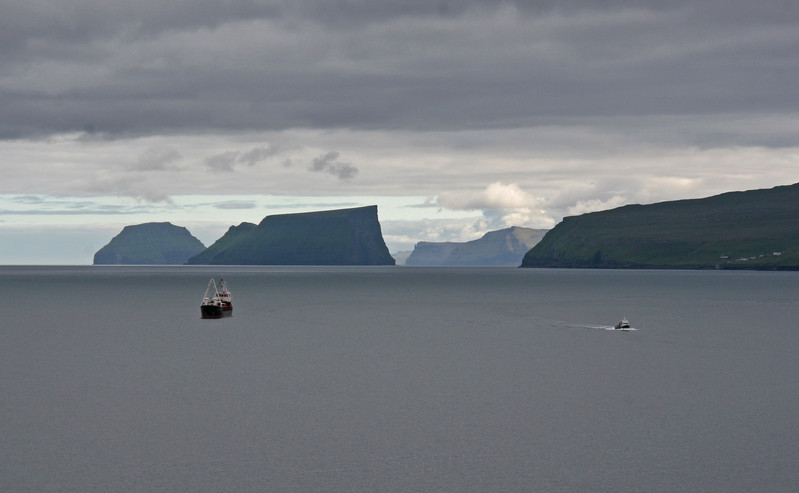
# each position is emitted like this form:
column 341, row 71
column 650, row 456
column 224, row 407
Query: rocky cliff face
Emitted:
column 502, row 247
column 339, row 237
column 430, row 253
column 150, row 243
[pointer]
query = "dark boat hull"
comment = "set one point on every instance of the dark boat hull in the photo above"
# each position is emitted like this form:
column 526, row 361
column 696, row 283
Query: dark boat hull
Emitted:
column 211, row 311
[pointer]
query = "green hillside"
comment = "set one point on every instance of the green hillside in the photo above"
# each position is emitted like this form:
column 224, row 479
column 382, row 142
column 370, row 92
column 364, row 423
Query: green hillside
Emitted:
column 225, row 243
column 339, row 237
column 150, row 243
column 757, row 229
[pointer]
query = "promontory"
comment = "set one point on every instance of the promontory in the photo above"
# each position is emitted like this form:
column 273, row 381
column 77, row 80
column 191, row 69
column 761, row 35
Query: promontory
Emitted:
column 337, row 237
column 755, row 229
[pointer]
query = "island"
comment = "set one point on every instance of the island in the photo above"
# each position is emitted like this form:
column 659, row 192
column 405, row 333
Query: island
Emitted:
column 495, row 248
column 336, row 237
column 150, row 244
column 755, row 229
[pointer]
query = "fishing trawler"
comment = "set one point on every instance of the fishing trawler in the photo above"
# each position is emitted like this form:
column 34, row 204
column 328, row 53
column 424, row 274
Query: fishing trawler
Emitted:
column 217, row 300
column 623, row 325
column 225, row 297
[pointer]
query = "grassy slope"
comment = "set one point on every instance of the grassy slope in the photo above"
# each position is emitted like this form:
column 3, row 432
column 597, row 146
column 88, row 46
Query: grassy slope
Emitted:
column 232, row 236
column 681, row 234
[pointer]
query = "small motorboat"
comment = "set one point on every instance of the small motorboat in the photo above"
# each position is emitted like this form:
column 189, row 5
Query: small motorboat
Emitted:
column 624, row 324
column 216, row 303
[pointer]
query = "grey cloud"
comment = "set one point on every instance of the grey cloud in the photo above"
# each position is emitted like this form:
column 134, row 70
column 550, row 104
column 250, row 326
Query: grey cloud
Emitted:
column 227, row 160
column 157, row 159
column 322, row 162
column 256, row 155
column 37, row 205
column 236, row 204
column 28, row 199
column 429, row 203
column 310, row 206
column 223, row 161
column 175, row 67
column 132, row 185
column 74, row 212
column 329, row 164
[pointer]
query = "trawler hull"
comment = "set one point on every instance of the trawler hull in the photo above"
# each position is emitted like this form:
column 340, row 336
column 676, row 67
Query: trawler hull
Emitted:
column 212, row 311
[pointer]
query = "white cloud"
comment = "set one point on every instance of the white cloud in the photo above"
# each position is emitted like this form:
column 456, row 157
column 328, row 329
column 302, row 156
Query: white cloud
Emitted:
column 594, row 205
column 495, row 196
column 502, row 206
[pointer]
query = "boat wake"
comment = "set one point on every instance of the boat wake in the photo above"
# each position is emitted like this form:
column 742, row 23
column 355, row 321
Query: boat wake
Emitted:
column 607, row 327
column 610, row 328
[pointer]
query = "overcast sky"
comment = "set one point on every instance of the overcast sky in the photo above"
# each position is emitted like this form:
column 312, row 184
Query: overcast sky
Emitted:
column 454, row 117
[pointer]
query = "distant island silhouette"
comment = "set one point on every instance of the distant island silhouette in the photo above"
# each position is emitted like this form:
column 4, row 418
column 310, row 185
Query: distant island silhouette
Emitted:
column 502, row 247
column 150, row 243
column 337, row 237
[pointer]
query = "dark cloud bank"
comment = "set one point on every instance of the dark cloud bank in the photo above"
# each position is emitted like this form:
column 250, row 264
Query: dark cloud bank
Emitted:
column 144, row 68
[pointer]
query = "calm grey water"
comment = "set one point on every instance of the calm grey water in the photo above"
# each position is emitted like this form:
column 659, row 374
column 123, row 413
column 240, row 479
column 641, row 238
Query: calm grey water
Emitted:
column 398, row 379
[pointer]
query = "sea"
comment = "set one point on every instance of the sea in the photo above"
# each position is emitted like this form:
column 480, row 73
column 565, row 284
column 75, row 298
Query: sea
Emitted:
column 398, row 379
